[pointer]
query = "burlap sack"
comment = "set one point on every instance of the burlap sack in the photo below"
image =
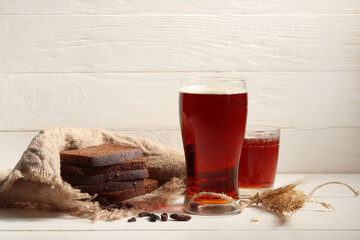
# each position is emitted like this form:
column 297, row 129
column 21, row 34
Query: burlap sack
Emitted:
column 35, row 182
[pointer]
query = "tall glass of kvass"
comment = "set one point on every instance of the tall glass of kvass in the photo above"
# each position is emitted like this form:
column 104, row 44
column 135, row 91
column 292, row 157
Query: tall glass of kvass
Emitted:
column 213, row 114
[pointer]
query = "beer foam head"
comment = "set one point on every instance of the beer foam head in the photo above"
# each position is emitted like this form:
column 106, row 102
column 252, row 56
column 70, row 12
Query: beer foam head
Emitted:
column 208, row 89
column 262, row 132
column 262, row 135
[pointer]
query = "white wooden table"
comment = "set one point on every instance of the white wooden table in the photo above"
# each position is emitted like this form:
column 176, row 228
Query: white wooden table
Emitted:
column 311, row 222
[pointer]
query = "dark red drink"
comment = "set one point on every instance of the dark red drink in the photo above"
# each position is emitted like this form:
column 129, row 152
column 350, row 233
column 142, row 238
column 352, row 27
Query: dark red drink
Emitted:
column 258, row 162
column 213, row 128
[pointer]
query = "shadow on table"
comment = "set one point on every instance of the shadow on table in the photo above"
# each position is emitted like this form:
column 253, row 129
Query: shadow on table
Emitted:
column 13, row 214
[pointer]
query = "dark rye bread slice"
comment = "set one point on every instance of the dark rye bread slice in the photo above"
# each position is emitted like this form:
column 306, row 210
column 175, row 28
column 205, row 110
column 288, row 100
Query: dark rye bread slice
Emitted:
column 119, row 196
column 101, row 155
column 107, row 177
column 81, row 171
column 110, row 186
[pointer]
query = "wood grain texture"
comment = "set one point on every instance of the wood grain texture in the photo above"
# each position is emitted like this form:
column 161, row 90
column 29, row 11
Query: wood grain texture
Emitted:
column 116, row 64
column 175, row 234
column 70, row 7
column 313, row 221
column 165, row 43
column 139, row 101
column 301, row 151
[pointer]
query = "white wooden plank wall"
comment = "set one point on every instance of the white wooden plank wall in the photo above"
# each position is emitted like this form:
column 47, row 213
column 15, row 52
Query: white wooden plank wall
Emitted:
column 117, row 64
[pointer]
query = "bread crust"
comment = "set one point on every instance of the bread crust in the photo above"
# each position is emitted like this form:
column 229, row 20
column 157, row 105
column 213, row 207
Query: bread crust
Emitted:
column 101, row 155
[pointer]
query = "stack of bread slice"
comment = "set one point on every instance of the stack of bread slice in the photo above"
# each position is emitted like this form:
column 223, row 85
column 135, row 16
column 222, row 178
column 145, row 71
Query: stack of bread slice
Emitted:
column 114, row 172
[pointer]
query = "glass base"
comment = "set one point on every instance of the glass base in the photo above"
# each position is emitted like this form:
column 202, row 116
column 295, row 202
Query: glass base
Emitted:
column 248, row 192
column 210, row 209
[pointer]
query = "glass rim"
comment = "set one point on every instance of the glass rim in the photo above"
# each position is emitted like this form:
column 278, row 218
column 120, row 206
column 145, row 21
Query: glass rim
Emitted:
column 214, row 78
column 212, row 85
column 262, row 131
column 262, row 128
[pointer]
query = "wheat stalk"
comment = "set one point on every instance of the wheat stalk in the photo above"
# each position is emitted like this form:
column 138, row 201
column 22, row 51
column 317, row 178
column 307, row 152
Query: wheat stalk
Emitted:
column 286, row 200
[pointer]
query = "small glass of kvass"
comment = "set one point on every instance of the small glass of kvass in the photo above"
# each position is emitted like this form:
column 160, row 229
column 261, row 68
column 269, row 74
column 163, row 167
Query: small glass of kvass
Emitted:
column 259, row 159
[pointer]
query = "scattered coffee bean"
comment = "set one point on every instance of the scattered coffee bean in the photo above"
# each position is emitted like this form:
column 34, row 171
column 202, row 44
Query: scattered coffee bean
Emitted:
column 164, row 217
column 180, row 217
column 154, row 217
column 144, row 214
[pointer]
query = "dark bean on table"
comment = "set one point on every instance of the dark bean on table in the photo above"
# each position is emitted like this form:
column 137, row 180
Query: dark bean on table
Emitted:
column 180, row 217
column 154, row 217
column 164, row 217
column 144, row 214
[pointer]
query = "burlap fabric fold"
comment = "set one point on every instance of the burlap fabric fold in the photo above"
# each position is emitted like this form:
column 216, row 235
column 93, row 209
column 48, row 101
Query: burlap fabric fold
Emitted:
column 35, row 181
